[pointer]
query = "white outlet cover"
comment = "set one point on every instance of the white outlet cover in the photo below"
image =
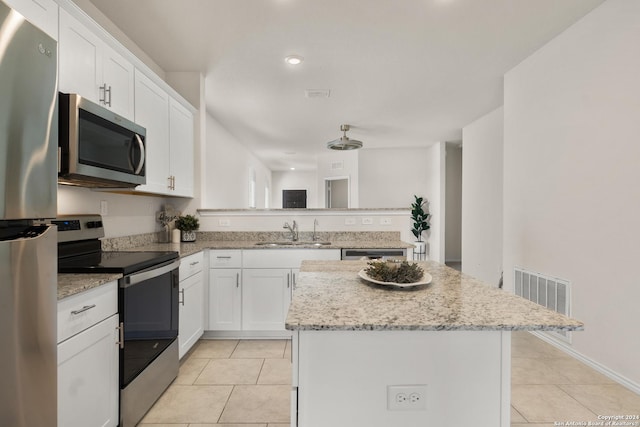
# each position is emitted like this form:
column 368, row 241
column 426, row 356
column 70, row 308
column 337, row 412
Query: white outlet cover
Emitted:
column 367, row 221
column 413, row 397
column 350, row 221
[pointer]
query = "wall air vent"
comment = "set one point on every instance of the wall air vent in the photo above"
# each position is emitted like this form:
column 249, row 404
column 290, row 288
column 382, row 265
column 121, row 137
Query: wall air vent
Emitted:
column 337, row 165
column 550, row 292
column 317, row 93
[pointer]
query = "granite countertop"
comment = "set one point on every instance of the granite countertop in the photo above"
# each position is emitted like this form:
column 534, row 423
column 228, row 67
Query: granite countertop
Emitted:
column 329, row 295
column 71, row 284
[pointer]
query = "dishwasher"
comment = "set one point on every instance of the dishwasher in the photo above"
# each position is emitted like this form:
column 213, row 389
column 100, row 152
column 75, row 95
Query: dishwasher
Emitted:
column 351, row 254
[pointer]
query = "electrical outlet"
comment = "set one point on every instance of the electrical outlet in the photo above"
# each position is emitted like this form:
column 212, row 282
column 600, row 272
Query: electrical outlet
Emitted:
column 350, row 221
column 224, row 222
column 407, row 397
column 104, row 208
column 367, row 221
column 385, row 221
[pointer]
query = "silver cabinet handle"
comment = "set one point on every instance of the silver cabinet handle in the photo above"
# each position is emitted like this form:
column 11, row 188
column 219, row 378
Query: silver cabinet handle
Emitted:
column 194, row 263
column 105, row 90
column 169, row 185
column 108, row 102
column 288, row 280
column 83, row 309
column 120, row 329
column 294, row 279
column 237, row 280
column 182, row 292
column 223, row 257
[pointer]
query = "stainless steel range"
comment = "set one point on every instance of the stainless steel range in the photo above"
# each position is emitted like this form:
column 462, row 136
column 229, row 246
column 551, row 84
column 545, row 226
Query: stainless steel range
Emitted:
column 147, row 306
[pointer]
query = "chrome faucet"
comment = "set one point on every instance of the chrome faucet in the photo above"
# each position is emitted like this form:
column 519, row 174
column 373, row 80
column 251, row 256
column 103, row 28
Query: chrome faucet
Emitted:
column 315, row 236
column 293, row 229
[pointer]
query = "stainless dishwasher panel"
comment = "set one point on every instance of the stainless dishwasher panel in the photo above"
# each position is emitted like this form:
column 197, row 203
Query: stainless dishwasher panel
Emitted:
column 351, row 254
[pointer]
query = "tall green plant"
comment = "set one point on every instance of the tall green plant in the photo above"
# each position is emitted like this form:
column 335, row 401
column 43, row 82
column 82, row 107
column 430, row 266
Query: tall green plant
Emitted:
column 419, row 218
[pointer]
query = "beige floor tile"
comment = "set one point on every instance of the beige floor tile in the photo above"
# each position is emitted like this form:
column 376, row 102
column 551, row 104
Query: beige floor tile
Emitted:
column 535, row 371
column 547, row 403
column 577, row 372
column 516, row 417
column 258, row 404
column 532, row 347
column 262, row 349
column 279, row 425
column 230, row 371
column 228, row 425
column 605, row 399
column 214, row 349
column 189, row 404
column 287, row 350
column 275, row 371
column 162, row 425
column 189, row 370
column 526, row 425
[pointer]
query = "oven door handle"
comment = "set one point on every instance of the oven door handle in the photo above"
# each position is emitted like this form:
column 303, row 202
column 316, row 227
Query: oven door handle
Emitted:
column 136, row 278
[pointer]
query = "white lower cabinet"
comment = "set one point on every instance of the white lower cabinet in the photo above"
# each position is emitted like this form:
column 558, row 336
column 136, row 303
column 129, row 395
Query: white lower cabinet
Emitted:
column 88, row 388
column 266, row 295
column 191, row 308
column 250, row 290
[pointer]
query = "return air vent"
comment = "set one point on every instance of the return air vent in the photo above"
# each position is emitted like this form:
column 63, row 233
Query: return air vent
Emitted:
column 337, row 165
column 317, row 93
column 550, row 292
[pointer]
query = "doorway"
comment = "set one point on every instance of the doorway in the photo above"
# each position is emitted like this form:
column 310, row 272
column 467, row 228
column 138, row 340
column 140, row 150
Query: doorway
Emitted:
column 336, row 192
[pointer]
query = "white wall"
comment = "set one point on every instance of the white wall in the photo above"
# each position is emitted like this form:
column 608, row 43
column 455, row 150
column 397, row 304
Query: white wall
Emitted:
column 127, row 214
column 294, row 180
column 434, row 193
column 571, row 178
column 227, row 169
column 482, row 197
column 348, row 161
column 390, row 177
column 453, row 197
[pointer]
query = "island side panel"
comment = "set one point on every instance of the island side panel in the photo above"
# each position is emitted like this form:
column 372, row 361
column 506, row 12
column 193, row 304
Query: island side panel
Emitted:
column 342, row 377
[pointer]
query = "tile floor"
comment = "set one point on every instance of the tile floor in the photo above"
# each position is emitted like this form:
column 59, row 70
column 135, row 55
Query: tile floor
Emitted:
column 231, row 383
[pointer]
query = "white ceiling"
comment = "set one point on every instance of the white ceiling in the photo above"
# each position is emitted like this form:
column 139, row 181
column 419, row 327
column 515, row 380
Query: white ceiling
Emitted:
column 401, row 72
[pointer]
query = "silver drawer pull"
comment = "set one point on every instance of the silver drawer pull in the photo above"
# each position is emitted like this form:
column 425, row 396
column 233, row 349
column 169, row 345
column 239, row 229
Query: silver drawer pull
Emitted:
column 194, row 263
column 120, row 329
column 83, row 309
column 223, row 257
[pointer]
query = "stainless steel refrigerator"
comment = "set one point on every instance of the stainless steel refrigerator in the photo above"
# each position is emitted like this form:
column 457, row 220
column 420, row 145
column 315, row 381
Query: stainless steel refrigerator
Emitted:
column 28, row 249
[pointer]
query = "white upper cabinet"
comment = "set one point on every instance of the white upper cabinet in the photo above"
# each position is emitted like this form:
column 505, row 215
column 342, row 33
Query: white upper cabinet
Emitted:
column 152, row 113
column 41, row 13
column 181, row 149
column 92, row 69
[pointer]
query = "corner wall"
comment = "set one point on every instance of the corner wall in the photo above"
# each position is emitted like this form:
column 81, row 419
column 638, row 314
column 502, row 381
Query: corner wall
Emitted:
column 482, row 197
column 571, row 177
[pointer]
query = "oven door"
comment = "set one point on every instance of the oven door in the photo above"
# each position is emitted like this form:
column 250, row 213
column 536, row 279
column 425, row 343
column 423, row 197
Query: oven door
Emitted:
column 148, row 306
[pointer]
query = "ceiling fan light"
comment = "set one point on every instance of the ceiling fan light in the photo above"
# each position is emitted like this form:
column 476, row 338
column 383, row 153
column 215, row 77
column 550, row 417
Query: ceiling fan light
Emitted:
column 344, row 143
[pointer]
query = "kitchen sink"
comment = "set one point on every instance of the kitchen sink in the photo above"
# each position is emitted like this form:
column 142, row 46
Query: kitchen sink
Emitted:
column 277, row 244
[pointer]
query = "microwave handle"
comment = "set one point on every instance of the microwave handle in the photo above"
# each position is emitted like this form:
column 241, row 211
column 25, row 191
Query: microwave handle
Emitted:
column 142, row 154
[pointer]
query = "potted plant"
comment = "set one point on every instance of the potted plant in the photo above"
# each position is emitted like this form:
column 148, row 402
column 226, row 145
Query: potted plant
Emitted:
column 187, row 224
column 420, row 223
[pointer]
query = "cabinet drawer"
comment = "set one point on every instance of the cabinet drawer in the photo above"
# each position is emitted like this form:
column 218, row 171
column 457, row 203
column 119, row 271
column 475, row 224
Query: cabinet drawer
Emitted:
column 225, row 259
column 191, row 265
column 285, row 258
column 81, row 311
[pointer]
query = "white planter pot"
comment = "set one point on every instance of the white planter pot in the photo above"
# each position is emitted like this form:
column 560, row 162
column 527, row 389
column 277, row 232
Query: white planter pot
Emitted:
column 188, row 236
column 421, row 247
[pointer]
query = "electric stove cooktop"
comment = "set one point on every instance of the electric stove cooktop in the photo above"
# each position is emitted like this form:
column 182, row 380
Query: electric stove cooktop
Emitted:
column 114, row 262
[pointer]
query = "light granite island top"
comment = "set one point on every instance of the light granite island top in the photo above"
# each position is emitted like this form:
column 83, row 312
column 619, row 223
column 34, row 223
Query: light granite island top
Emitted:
column 330, row 295
column 431, row 355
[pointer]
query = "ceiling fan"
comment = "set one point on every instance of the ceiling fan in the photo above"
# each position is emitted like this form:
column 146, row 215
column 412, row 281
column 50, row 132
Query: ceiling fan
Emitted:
column 344, row 143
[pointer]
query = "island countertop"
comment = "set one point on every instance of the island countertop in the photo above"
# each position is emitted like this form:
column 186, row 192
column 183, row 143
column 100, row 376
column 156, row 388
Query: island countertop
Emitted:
column 330, row 295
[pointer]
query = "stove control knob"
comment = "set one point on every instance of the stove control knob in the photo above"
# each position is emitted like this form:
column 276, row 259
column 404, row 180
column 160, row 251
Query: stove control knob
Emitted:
column 94, row 224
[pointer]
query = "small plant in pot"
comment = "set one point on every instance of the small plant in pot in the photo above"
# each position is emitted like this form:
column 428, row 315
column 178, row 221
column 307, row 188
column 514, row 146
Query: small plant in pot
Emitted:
column 420, row 223
column 187, row 224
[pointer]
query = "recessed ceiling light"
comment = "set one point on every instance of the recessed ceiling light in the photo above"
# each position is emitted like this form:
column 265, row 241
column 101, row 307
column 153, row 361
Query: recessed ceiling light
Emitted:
column 292, row 169
column 294, row 59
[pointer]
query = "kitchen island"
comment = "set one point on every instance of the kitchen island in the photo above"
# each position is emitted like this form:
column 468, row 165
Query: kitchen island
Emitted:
column 432, row 355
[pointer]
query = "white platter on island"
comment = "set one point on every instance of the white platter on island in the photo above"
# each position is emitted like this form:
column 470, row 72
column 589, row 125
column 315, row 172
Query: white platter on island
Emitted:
column 352, row 340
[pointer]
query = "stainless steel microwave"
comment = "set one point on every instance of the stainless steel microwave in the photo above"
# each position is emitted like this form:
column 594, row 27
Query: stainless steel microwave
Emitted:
column 97, row 147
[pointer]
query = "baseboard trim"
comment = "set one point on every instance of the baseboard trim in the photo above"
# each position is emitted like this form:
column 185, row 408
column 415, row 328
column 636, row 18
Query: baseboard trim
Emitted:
column 620, row 379
column 256, row 335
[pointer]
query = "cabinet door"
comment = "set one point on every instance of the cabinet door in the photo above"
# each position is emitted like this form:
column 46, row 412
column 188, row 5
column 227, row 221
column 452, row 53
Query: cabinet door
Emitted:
column 181, row 148
column 118, row 76
column 152, row 112
column 80, row 58
column 225, row 299
column 266, row 294
column 88, row 388
column 41, row 13
column 191, row 312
